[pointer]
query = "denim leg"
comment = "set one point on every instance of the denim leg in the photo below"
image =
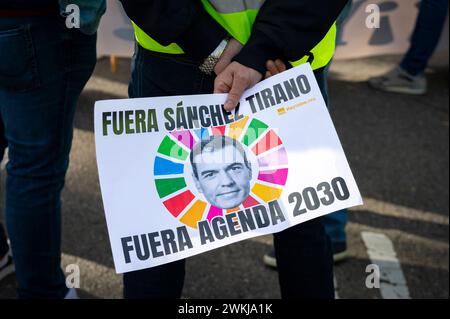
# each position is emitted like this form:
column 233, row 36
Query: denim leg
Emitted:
column 165, row 281
column 37, row 110
column 3, row 142
column 335, row 222
column 426, row 34
column 335, row 227
column 304, row 261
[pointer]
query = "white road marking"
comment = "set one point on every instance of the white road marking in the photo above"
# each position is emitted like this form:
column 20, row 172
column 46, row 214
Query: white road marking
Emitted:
column 388, row 209
column 381, row 252
column 336, row 287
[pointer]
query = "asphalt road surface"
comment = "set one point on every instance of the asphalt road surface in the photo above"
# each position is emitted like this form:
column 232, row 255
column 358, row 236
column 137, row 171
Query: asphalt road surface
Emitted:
column 397, row 147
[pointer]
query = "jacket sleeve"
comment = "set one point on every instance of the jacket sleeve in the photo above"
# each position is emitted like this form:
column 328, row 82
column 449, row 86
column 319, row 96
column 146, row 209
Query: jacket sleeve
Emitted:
column 184, row 22
column 287, row 30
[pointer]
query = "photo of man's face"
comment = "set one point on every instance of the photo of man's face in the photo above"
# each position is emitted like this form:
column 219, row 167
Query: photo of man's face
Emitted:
column 221, row 171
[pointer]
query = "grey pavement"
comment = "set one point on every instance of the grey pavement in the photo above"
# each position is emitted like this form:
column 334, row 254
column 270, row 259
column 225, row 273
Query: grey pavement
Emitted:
column 397, row 147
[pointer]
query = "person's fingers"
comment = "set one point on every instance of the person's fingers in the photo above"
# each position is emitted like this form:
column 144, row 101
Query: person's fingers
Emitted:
column 233, row 48
column 271, row 67
column 221, row 87
column 280, row 65
column 268, row 75
column 240, row 83
column 223, row 82
column 234, row 80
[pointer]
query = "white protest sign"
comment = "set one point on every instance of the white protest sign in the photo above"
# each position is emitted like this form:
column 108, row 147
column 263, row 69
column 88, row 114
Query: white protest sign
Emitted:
column 180, row 176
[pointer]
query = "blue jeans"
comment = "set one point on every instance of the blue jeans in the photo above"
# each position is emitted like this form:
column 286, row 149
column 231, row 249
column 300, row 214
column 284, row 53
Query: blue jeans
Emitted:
column 42, row 74
column 335, row 222
column 426, row 34
column 305, row 264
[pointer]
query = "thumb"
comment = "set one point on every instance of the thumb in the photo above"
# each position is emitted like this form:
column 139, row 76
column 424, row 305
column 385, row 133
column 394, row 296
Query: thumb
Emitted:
column 223, row 82
column 237, row 88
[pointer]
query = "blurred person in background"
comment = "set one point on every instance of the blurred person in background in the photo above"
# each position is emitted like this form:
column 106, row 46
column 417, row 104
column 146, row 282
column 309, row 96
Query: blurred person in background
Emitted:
column 409, row 76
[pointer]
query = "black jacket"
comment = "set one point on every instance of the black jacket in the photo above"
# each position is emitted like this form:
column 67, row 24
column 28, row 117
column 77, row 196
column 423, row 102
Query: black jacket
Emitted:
column 27, row 4
column 284, row 29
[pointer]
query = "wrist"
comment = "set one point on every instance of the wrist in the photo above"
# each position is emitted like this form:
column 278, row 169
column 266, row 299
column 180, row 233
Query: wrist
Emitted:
column 255, row 54
column 210, row 62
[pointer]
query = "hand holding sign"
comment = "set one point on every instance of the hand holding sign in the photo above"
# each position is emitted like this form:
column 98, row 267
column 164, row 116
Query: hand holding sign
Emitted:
column 188, row 177
column 232, row 77
column 234, row 80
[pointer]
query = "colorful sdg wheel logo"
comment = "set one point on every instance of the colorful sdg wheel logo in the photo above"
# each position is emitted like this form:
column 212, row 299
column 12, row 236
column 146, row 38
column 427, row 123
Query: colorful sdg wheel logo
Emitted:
column 175, row 183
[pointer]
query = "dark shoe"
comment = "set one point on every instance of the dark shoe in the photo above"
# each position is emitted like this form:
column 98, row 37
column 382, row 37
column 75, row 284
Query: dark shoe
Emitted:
column 340, row 252
column 400, row 81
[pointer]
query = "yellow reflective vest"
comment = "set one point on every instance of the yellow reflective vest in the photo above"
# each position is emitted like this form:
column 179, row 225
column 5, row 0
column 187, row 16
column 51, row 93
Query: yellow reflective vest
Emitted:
column 237, row 17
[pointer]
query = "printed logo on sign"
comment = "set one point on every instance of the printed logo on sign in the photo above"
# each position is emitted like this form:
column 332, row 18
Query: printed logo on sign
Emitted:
column 283, row 110
column 209, row 172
